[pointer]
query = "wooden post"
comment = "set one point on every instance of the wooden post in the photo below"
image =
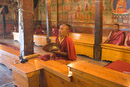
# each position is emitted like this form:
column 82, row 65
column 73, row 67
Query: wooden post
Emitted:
column 26, row 27
column 47, row 20
column 98, row 30
column 57, row 18
column 4, row 22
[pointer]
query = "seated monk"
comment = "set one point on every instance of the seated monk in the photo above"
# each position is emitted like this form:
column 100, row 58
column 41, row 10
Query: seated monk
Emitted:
column 66, row 49
column 116, row 36
column 54, row 31
column 39, row 30
column 127, row 40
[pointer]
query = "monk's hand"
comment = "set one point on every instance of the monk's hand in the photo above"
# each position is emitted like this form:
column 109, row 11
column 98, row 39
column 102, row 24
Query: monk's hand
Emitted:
column 56, row 52
column 107, row 40
column 51, row 56
column 61, row 53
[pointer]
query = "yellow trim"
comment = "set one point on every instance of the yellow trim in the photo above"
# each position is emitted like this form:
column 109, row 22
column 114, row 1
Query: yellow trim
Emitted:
column 60, row 40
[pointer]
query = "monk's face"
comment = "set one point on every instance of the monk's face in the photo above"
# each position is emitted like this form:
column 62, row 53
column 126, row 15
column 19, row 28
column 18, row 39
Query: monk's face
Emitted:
column 116, row 28
column 63, row 30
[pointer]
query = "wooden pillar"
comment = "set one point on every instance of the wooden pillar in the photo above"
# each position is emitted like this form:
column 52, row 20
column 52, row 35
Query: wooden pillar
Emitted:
column 4, row 21
column 26, row 27
column 47, row 20
column 98, row 30
column 57, row 16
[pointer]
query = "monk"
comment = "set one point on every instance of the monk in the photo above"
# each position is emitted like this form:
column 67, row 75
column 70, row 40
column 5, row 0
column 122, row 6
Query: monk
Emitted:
column 54, row 31
column 67, row 49
column 127, row 40
column 66, row 46
column 39, row 30
column 116, row 36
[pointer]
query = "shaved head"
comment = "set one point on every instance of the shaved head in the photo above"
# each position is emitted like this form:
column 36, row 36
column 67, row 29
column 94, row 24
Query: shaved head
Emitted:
column 63, row 30
column 66, row 26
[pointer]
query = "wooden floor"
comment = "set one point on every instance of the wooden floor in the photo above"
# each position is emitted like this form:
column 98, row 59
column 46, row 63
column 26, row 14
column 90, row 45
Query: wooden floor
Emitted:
column 6, row 79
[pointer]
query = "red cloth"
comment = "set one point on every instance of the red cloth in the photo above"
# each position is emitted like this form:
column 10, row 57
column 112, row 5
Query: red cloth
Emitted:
column 117, row 38
column 120, row 66
column 54, row 31
column 39, row 30
column 67, row 45
column 45, row 57
column 128, row 40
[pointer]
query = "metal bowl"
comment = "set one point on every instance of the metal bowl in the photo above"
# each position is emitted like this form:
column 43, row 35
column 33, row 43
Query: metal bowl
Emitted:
column 50, row 47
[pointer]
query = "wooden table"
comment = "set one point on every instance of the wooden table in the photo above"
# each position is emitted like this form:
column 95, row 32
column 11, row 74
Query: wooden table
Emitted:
column 26, row 74
column 41, row 40
column 16, row 36
column 84, row 43
column 8, row 55
column 90, row 75
column 62, row 73
column 114, row 52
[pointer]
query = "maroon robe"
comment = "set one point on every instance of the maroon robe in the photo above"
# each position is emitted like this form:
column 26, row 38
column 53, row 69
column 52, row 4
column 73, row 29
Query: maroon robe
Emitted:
column 128, row 39
column 54, row 31
column 117, row 38
column 39, row 30
column 70, row 30
column 67, row 45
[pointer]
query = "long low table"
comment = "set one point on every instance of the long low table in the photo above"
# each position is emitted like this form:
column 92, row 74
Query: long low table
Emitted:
column 114, row 52
column 39, row 73
column 62, row 73
column 84, row 45
column 83, row 42
column 39, row 40
column 8, row 55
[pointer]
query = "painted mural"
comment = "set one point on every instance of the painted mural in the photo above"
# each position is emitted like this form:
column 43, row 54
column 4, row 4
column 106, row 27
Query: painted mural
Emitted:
column 83, row 11
column 121, row 10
